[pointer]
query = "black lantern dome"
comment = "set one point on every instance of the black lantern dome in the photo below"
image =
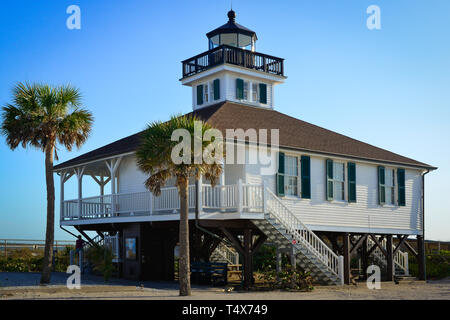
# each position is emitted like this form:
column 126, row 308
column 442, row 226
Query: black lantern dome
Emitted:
column 232, row 34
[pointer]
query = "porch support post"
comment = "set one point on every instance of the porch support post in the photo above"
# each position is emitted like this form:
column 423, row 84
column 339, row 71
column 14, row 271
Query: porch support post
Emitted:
column 62, row 175
column 113, row 165
column 389, row 259
column 421, row 257
column 248, row 259
column 364, row 259
column 102, row 182
column 346, row 247
column 79, row 172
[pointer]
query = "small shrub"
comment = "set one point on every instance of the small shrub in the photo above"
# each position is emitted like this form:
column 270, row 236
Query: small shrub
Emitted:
column 437, row 265
column 101, row 258
column 287, row 279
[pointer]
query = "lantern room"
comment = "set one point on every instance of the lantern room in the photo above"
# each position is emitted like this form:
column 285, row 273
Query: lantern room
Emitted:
column 232, row 34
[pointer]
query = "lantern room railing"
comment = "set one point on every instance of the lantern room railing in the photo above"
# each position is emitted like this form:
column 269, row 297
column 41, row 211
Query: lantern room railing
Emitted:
column 235, row 56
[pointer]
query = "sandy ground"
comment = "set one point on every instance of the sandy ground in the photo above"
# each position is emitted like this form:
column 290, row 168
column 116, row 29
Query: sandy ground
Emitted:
column 24, row 286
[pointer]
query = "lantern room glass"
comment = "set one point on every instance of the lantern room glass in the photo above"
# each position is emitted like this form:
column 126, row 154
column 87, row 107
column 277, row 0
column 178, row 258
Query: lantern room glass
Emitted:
column 239, row 40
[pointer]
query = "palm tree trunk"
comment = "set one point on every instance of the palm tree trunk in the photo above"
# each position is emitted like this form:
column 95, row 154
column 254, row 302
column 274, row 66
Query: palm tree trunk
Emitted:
column 50, row 232
column 184, row 262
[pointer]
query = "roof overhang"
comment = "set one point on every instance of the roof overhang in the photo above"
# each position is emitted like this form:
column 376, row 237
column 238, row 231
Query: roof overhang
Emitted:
column 276, row 79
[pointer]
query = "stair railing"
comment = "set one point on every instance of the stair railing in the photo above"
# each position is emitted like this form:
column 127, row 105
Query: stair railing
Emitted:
column 400, row 257
column 302, row 234
column 228, row 254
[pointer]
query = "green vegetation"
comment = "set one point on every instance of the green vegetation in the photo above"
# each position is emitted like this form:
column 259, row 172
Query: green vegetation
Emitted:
column 101, row 259
column 265, row 258
column 437, row 265
column 287, row 279
column 44, row 117
column 264, row 262
column 27, row 260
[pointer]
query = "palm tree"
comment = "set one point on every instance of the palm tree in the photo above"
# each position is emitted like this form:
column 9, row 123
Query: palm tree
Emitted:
column 154, row 157
column 42, row 116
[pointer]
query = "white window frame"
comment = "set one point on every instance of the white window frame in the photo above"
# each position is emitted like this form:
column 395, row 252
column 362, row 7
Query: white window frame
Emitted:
column 249, row 92
column 289, row 176
column 339, row 180
column 253, row 92
column 206, row 92
column 211, row 91
column 391, row 185
column 246, row 91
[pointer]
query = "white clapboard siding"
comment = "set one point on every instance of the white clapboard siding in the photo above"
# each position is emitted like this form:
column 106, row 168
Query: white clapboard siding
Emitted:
column 365, row 213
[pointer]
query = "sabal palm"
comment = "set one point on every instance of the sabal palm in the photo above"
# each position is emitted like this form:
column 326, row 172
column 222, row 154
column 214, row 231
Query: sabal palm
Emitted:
column 42, row 116
column 154, row 157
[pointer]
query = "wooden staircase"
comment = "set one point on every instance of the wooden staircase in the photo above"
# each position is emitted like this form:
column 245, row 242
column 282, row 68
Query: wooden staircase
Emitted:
column 286, row 231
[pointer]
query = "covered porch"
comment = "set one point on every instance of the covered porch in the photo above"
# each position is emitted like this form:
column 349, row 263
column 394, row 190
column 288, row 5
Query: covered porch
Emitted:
column 226, row 201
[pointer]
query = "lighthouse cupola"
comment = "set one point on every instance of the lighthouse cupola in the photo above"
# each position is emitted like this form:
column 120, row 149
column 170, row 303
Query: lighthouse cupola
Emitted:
column 232, row 34
column 231, row 70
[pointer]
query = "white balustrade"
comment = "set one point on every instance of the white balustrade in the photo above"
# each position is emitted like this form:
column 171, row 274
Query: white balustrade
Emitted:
column 224, row 198
column 301, row 234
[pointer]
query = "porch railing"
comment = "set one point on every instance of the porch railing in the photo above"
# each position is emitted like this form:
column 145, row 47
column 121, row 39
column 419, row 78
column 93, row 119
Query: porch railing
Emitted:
column 226, row 198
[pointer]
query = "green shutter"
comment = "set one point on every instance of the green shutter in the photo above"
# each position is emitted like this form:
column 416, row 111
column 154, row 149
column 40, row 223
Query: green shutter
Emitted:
column 401, row 187
column 239, row 89
column 200, row 94
column 351, row 178
column 306, row 177
column 216, row 89
column 263, row 93
column 329, row 182
column 381, row 186
column 280, row 174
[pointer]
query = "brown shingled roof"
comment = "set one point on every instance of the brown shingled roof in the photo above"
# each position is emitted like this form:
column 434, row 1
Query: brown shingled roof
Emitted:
column 293, row 134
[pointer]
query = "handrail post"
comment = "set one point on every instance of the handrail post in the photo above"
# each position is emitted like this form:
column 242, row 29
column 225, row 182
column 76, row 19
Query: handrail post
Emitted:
column 406, row 264
column 240, row 196
column 200, row 195
column 79, row 172
column 264, row 196
column 341, row 269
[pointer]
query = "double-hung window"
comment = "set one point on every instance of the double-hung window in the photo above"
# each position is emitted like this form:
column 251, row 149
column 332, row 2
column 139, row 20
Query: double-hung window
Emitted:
column 291, row 175
column 206, row 92
column 255, row 93
column 246, row 90
column 339, row 181
column 389, row 185
column 251, row 91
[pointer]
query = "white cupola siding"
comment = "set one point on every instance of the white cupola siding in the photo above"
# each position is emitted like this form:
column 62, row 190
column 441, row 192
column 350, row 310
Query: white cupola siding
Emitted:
column 234, row 87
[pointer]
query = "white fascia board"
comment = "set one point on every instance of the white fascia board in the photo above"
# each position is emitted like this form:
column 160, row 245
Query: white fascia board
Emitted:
column 232, row 68
column 363, row 230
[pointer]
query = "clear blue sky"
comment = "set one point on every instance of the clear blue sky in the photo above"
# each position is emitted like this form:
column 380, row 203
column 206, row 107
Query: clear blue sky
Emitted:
column 388, row 87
